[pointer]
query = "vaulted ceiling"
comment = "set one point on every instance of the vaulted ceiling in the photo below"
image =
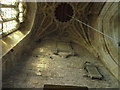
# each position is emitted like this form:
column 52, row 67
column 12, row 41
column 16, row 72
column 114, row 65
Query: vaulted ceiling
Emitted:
column 51, row 17
column 69, row 19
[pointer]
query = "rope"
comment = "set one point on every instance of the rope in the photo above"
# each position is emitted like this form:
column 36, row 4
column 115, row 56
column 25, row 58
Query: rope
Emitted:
column 92, row 28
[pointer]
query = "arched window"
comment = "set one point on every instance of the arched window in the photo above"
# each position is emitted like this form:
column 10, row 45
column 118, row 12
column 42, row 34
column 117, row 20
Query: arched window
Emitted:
column 12, row 14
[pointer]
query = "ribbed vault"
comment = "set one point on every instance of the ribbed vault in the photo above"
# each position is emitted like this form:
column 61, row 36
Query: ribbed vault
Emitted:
column 90, row 29
column 48, row 20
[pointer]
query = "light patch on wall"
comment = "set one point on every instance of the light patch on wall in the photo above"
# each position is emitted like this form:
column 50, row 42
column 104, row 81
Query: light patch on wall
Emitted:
column 16, row 36
column 20, row 7
column 21, row 17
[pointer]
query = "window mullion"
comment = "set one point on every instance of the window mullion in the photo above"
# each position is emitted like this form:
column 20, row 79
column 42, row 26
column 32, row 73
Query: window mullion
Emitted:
column 7, row 6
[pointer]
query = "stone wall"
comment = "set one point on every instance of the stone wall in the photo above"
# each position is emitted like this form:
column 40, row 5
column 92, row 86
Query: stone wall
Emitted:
column 18, row 46
column 102, row 39
column 107, row 45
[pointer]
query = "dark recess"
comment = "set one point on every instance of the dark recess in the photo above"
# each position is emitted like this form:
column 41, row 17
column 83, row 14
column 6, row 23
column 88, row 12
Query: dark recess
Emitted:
column 64, row 12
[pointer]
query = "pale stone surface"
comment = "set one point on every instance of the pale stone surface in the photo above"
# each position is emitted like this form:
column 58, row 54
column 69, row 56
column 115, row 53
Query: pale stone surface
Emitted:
column 36, row 69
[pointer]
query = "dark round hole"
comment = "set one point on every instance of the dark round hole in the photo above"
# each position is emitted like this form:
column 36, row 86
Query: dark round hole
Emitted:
column 64, row 12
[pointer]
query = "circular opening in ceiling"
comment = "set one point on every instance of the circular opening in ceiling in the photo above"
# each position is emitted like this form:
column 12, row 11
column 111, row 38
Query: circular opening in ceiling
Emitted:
column 64, row 12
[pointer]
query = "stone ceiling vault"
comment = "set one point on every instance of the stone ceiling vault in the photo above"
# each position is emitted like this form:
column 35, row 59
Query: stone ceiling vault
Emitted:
column 89, row 13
